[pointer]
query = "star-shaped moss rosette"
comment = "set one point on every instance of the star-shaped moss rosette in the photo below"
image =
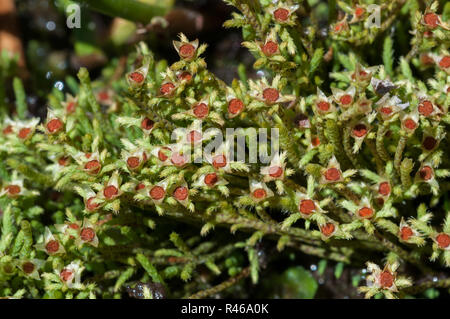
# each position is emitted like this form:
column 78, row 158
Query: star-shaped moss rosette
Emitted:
column 308, row 207
column 431, row 137
column 181, row 194
column 283, row 13
column 70, row 104
column 341, row 27
column 277, row 171
column 237, row 100
column 408, row 234
column 271, row 52
column 361, row 76
column 366, row 215
column 185, row 48
column 323, row 105
column 15, row 189
column 50, row 244
column 92, row 201
column 440, row 237
column 221, row 159
column 206, row 109
column 384, row 281
column 30, row 267
column 268, row 95
column 431, row 20
column 383, row 187
column 360, row 129
column 66, row 277
column 331, row 173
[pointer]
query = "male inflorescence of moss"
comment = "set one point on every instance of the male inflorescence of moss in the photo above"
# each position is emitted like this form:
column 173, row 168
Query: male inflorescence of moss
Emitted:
column 87, row 194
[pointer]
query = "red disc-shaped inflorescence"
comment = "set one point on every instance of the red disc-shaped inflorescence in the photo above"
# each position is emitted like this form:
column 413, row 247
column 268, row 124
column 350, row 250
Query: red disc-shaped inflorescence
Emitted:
column 365, row 212
column 71, row 107
column 429, row 143
column 73, row 226
column 13, row 189
column 66, row 274
column 275, row 171
column 201, row 110
column 166, row 88
column 211, row 179
column 157, row 193
column 431, row 20
column 323, row 106
column 187, row 51
column 386, row 110
column 52, row 246
column 178, row 159
column 405, row 233
column 332, row 174
column 281, row 14
column 110, row 191
column 270, row 48
column 133, row 161
column 359, row 12
column 235, row 106
column 87, row 234
column 346, row 99
column 63, row 161
column 307, row 206
column 426, row 173
column 137, row 77
column 338, row 27
column 184, row 76
column 445, row 62
column 271, row 95
column 384, row 189
column 362, row 74
column 426, row 108
column 90, row 205
column 162, row 156
column 24, row 132
column 28, row 267
column 147, row 124
column 219, row 161
column 181, row 193
column 54, row 126
column 315, row 141
column 93, row 167
column 359, row 130
column 443, row 240
column 103, row 96
column 139, row 186
column 259, row 193
column 7, row 130
column 328, row 229
column 386, row 279
column 410, row 124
